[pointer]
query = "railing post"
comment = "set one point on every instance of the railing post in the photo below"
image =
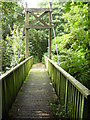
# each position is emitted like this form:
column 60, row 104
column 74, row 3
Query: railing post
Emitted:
column 50, row 29
column 26, row 33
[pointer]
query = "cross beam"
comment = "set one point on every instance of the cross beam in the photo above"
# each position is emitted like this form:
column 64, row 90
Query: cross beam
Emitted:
column 38, row 9
column 43, row 25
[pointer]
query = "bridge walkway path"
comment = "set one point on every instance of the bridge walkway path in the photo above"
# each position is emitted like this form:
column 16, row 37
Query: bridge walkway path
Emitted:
column 35, row 97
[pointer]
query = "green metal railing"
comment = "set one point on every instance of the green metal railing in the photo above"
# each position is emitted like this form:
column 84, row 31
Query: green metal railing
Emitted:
column 74, row 96
column 11, row 83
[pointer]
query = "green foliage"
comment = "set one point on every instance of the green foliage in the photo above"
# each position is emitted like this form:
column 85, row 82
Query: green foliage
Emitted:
column 57, row 20
column 38, row 40
column 12, row 14
column 11, row 49
column 59, row 110
column 12, row 23
column 74, row 47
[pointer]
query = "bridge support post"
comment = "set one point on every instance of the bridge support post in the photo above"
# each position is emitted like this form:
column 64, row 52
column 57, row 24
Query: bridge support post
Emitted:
column 50, row 29
column 26, row 33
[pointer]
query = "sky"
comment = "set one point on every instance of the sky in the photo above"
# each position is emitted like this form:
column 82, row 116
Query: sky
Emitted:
column 32, row 3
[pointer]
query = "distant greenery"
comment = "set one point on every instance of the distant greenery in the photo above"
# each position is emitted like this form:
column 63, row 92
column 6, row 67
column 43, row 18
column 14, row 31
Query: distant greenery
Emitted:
column 38, row 42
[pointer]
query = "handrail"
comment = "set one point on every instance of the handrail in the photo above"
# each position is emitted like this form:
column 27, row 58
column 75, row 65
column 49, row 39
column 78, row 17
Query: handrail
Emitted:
column 11, row 82
column 85, row 91
column 73, row 95
column 13, row 69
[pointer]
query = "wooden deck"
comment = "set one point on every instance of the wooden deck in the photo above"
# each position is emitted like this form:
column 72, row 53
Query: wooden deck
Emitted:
column 34, row 98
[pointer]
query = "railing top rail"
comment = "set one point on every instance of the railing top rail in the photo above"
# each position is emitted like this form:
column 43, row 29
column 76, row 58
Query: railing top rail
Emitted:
column 13, row 69
column 82, row 89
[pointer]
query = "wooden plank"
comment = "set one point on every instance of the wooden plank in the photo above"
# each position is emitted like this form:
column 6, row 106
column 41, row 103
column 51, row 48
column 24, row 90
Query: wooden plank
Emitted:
column 38, row 9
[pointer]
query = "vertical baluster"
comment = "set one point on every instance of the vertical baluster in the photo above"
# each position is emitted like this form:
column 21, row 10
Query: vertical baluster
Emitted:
column 49, row 68
column 82, row 107
column 77, row 111
column 50, row 71
column 80, row 101
column 52, row 74
column 59, row 83
column 54, row 77
column 66, row 94
column 72, row 112
column 71, row 100
column 75, row 103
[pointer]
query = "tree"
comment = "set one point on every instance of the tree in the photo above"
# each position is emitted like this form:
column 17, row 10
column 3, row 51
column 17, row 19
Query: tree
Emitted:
column 12, row 16
column 74, row 47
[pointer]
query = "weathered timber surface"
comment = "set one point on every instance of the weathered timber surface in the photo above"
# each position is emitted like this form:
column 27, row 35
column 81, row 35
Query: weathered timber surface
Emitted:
column 33, row 100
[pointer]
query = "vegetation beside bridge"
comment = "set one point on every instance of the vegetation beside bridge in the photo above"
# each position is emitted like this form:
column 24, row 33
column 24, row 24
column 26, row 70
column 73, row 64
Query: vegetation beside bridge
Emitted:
column 71, row 23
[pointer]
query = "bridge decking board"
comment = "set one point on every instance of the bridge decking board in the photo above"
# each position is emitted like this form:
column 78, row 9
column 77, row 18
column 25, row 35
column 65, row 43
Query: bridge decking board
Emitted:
column 34, row 98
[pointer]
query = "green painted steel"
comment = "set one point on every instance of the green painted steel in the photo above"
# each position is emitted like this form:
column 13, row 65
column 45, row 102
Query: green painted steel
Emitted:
column 72, row 94
column 11, row 83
